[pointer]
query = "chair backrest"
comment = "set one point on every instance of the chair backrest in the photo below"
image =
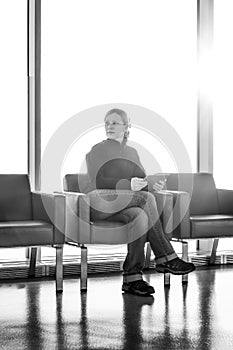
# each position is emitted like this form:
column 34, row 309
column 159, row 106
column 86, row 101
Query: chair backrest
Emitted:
column 76, row 182
column 80, row 182
column 15, row 197
column 202, row 188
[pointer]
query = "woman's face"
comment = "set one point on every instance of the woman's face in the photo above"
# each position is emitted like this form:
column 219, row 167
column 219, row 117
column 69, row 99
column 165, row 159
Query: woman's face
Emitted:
column 114, row 127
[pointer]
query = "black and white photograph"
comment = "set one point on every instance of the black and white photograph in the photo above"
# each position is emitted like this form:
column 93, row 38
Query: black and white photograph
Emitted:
column 116, row 181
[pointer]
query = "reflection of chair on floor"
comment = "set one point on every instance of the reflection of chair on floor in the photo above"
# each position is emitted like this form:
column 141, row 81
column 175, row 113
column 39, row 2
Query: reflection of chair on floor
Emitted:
column 24, row 221
column 80, row 229
column 200, row 210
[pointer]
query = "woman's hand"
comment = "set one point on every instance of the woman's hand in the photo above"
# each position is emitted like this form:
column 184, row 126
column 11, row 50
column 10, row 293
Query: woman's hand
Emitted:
column 138, row 183
column 158, row 186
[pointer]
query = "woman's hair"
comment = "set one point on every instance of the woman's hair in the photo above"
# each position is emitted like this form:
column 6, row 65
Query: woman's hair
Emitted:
column 125, row 119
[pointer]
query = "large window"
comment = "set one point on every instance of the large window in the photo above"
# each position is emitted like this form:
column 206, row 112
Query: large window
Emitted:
column 119, row 51
column 13, row 86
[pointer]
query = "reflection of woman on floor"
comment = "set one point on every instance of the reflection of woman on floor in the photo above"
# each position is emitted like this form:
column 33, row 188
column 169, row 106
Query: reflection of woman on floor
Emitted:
column 111, row 165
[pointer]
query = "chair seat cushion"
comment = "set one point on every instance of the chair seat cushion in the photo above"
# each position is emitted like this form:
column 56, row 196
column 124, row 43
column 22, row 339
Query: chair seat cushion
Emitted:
column 210, row 226
column 25, row 233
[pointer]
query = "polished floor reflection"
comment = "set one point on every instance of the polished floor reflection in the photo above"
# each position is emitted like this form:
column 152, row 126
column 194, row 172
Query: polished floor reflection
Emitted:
column 197, row 316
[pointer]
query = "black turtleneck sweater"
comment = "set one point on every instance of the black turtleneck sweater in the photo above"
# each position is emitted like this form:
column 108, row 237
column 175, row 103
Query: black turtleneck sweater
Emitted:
column 111, row 165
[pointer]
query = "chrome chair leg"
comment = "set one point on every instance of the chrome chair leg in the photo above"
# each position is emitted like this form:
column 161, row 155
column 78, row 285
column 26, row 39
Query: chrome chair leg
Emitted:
column 32, row 264
column 148, row 255
column 167, row 279
column 185, row 258
column 59, row 268
column 214, row 251
column 83, row 277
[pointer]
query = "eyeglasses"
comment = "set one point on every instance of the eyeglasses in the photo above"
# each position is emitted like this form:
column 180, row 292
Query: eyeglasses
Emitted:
column 113, row 123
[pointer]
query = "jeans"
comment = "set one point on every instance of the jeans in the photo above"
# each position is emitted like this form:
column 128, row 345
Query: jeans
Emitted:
column 126, row 206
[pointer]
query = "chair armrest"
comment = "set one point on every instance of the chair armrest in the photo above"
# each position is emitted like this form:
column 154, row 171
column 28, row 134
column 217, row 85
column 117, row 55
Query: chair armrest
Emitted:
column 225, row 201
column 181, row 214
column 46, row 209
column 75, row 222
column 164, row 201
column 43, row 206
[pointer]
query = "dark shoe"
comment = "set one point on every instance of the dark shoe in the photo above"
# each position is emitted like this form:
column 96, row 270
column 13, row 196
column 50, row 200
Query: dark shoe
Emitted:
column 138, row 287
column 176, row 267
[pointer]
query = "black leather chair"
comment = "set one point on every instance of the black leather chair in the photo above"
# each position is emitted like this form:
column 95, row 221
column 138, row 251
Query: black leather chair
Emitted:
column 200, row 210
column 80, row 230
column 27, row 220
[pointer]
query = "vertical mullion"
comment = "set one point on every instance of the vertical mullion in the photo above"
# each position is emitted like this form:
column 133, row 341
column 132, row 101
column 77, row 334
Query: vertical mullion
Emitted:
column 204, row 103
column 205, row 14
column 34, row 92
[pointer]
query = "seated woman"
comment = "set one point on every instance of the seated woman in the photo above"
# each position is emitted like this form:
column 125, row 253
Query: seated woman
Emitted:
column 115, row 170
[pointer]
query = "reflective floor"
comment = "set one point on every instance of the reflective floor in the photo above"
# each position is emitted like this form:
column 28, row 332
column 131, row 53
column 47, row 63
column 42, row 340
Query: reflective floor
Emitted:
column 196, row 316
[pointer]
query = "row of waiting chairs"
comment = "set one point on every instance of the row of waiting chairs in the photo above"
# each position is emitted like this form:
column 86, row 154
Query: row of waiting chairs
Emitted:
column 191, row 207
